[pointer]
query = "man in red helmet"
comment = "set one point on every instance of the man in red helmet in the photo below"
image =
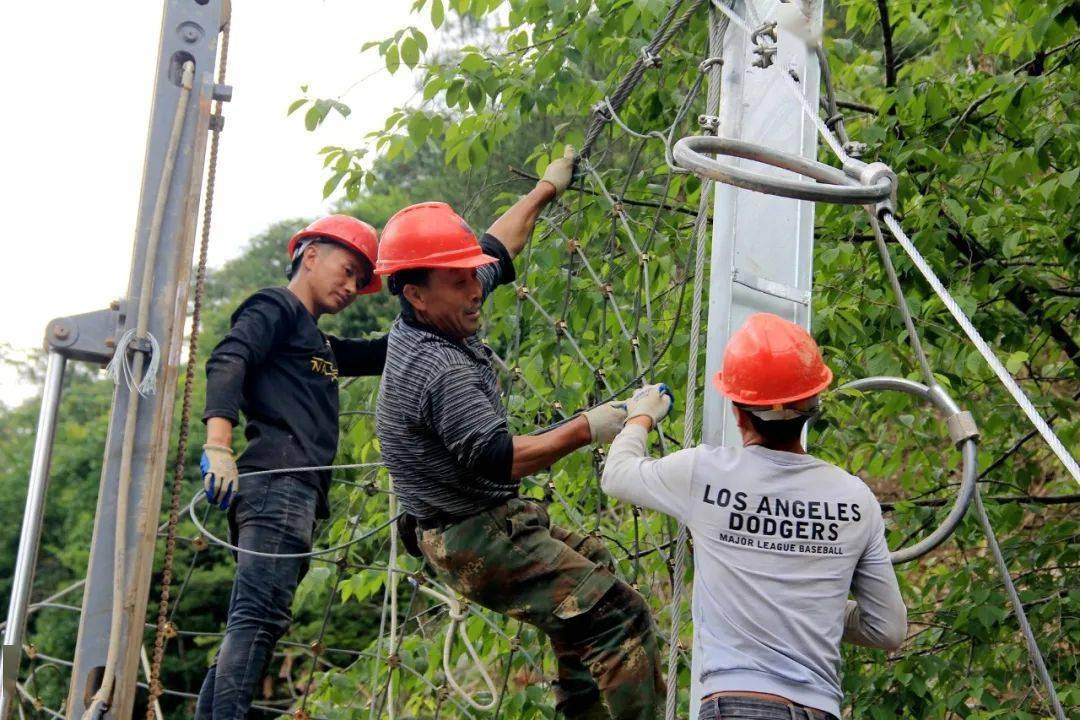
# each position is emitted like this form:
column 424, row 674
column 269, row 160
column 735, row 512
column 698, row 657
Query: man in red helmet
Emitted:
column 457, row 468
column 780, row 537
column 281, row 371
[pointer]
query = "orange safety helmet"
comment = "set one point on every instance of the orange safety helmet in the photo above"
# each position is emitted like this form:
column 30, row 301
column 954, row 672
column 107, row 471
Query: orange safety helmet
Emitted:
column 428, row 235
column 770, row 361
column 344, row 230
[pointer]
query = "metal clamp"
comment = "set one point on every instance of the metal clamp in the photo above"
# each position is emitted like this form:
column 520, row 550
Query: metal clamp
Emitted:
column 875, row 174
column 963, row 432
column 765, row 56
column 764, row 40
column 602, row 110
column 833, row 185
column 709, row 123
column 650, row 59
column 709, row 63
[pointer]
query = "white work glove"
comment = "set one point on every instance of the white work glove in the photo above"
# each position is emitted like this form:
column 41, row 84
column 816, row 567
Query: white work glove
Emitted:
column 560, row 172
column 219, row 475
column 654, row 401
column 605, row 421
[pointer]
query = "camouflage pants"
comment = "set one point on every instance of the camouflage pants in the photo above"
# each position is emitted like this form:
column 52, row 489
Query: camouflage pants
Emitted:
column 511, row 560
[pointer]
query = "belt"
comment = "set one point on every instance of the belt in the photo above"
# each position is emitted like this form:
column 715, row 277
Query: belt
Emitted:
column 440, row 521
column 783, row 705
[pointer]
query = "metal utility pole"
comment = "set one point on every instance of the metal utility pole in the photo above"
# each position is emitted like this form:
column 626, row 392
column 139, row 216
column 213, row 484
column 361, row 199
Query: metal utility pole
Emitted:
column 154, row 311
column 762, row 247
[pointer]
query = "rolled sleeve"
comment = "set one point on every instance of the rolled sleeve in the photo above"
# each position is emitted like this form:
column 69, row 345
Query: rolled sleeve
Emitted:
column 456, row 409
column 496, row 274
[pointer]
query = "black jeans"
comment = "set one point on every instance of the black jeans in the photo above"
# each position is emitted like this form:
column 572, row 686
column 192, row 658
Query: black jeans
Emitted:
column 273, row 514
column 735, row 708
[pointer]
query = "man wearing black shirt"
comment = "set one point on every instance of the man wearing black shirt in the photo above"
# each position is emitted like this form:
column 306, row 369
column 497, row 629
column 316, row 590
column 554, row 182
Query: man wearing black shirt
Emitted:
column 281, row 371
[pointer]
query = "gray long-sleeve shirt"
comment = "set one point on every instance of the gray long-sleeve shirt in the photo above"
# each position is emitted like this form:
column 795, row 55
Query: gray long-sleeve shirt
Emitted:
column 780, row 540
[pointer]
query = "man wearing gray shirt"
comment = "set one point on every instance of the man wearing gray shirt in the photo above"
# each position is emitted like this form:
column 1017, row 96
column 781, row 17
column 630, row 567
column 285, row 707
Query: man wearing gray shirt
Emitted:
column 780, row 537
column 457, row 468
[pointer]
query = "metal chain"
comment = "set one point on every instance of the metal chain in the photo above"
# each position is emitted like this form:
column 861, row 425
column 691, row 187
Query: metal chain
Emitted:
column 189, row 383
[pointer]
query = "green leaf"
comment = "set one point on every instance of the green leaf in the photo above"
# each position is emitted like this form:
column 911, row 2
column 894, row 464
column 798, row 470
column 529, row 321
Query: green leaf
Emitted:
column 410, row 53
column 1016, row 361
column 296, row 105
column 393, row 62
column 438, row 14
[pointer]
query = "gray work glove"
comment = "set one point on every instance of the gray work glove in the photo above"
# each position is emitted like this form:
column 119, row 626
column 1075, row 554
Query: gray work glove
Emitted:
column 605, row 421
column 219, row 474
column 560, row 172
column 655, row 401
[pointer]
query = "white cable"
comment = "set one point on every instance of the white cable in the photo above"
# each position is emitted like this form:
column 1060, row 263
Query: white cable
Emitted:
column 984, row 349
column 457, row 618
column 120, row 370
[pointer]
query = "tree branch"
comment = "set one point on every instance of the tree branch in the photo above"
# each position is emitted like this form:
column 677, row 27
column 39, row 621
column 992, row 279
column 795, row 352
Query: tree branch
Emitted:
column 1001, row 499
column 886, row 37
column 623, row 200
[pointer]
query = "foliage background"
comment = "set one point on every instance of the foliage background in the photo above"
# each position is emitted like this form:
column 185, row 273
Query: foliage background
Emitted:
column 975, row 107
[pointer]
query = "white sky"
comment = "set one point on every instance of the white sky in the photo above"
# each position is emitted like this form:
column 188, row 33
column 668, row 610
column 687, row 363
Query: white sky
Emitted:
column 73, row 122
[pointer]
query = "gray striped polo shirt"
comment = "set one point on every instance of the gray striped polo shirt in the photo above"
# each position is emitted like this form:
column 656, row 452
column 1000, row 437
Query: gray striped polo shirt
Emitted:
column 439, row 413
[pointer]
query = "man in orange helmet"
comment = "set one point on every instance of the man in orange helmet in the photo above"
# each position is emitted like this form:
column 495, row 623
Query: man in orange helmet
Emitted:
column 780, row 537
column 277, row 367
column 457, row 468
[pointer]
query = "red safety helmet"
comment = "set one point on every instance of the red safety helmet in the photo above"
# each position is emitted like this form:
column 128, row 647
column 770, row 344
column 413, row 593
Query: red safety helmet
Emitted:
column 345, row 230
column 770, row 361
column 428, row 235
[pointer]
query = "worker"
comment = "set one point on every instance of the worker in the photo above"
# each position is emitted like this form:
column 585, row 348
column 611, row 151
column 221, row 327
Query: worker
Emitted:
column 277, row 367
column 456, row 467
column 780, row 537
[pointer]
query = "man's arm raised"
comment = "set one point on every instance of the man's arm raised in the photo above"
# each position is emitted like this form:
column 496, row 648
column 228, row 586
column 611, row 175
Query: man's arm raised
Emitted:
column 515, row 226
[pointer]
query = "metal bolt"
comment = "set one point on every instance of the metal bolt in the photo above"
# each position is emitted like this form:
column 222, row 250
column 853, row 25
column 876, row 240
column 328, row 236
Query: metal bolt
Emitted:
column 199, row 543
column 110, row 342
column 61, row 332
column 114, row 305
column 171, row 631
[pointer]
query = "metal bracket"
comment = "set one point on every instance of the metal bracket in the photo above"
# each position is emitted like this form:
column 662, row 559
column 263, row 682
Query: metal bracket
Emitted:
column 90, row 337
column 222, row 93
column 770, row 287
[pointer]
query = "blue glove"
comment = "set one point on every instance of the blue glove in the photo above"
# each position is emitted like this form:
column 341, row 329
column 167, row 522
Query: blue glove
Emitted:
column 221, row 480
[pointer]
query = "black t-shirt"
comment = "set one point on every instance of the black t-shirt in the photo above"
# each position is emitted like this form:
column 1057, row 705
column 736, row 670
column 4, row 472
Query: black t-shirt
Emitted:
column 281, row 371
